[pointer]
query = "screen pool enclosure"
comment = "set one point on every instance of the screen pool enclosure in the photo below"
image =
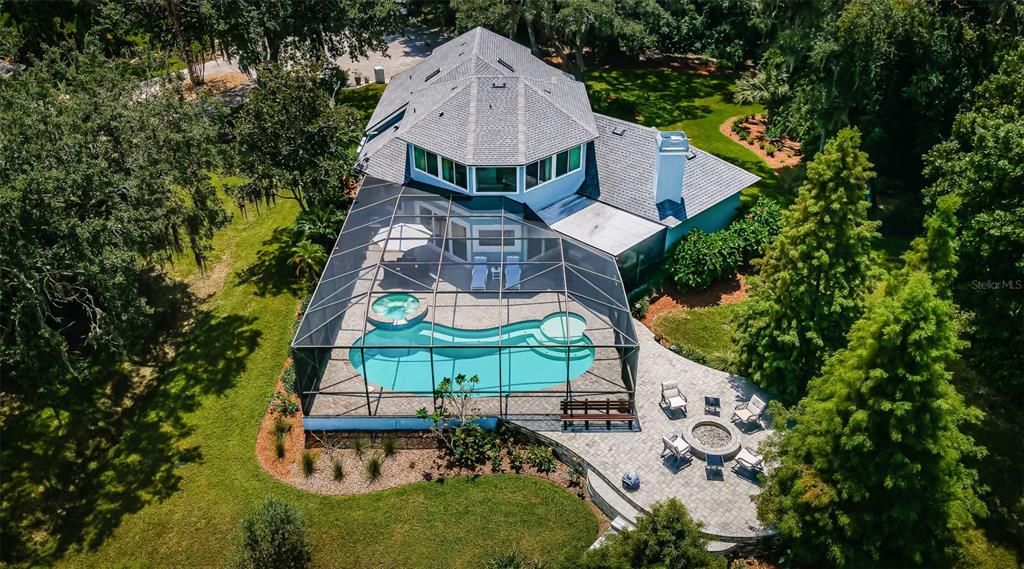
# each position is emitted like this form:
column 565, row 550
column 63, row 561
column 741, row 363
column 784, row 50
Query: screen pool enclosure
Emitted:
column 424, row 285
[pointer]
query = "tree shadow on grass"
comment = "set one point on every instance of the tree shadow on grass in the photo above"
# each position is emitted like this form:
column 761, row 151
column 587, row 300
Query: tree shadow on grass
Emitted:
column 117, row 447
column 653, row 97
column 273, row 273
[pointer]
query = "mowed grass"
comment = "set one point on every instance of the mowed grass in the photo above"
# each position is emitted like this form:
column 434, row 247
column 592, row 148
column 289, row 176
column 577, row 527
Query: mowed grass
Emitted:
column 704, row 335
column 671, row 99
column 458, row 523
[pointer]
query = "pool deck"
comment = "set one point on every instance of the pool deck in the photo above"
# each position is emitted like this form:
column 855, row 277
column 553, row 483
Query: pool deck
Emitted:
column 725, row 506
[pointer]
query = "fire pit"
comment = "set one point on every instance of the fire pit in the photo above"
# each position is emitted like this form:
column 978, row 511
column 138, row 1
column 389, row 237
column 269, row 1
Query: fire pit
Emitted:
column 711, row 435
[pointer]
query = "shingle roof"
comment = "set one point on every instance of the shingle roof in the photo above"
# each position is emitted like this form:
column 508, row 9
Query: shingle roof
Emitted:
column 482, row 99
column 621, row 172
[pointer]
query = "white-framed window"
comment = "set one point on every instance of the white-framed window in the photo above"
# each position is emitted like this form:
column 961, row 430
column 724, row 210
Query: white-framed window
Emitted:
column 496, row 179
column 489, row 238
column 553, row 167
column 440, row 167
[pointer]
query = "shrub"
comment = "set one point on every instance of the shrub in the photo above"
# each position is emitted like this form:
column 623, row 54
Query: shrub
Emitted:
column 667, row 537
column 390, row 446
column 641, row 306
column 757, row 228
column 516, row 459
column 471, row 444
column 359, row 446
column 274, row 537
column 576, row 475
column 282, row 426
column 699, row 258
column 512, row 559
column 308, row 463
column 279, row 444
column 288, row 380
column 541, row 458
column 374, row 466
column 283, row 405
column 338, row 469
column 496, row 461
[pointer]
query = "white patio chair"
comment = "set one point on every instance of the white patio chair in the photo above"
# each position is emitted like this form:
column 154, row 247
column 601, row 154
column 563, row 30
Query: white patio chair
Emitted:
column 479, row 274
column 750, row 412
column 747, row 459
column 672, row 397
column 513, row 271
column 675, row 447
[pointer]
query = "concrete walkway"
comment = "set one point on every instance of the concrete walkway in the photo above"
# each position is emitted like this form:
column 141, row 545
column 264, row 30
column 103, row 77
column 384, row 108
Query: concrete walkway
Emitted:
column 723, row 506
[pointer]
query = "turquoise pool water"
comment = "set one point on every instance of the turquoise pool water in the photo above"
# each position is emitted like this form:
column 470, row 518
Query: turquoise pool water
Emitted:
column 524, row 363
column 395, row 306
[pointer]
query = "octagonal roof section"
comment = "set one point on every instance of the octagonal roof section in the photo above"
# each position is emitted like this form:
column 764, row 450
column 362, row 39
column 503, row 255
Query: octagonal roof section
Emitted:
column 483, row 99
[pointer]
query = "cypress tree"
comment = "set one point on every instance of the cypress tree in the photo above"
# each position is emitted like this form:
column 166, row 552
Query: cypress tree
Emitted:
column 813, row 275
column 935, row 252
column 870, row 472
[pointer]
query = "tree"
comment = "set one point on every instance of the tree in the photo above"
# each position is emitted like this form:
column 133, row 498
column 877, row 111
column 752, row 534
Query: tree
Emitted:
column 309, row 259
column 813, row 275
column 667, row 537
column 260, row 31
column 871, row 473
column 293, row 141
column 935, row 252
column 274, row 537
column 982, row 165
column 101, row 184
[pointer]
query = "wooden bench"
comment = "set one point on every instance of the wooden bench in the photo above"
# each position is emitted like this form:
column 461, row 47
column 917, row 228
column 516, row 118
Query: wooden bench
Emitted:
column 606, row 410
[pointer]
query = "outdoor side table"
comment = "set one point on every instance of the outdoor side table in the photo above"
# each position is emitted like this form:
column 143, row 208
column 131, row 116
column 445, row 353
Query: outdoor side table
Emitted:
column 715, row 464
column 712, row 405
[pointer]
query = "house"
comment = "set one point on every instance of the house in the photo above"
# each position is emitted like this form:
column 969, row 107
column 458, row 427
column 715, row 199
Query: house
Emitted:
column 482, row 116
column 498, row 226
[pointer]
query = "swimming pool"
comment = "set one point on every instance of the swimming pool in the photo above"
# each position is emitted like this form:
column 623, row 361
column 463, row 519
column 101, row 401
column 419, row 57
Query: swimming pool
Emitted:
column 525, row 363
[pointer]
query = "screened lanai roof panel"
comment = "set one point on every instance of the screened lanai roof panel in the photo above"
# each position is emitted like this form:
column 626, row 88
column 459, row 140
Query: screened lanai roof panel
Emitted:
column 484, row 265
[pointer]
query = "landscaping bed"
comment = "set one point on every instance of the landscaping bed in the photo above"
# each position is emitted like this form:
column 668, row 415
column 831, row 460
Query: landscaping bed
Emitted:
column 749, row 130
column 704, row 335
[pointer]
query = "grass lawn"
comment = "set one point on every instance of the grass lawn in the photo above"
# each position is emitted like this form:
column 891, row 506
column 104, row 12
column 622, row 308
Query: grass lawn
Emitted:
column 669, row 99
column 211, row 404
column 704, row 335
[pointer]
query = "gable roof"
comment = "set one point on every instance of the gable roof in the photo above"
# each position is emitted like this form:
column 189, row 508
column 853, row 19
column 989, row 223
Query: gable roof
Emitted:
column 482, row 99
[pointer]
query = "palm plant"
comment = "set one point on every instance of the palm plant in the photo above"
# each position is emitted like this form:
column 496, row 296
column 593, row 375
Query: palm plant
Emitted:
column 309, row 259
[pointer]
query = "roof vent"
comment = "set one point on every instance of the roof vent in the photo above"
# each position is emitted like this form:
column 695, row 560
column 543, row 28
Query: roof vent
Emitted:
column 433, row 74
column 618, row 131
column 440, row 114
column 506, row 65
column 498, row 85
column 690, row 155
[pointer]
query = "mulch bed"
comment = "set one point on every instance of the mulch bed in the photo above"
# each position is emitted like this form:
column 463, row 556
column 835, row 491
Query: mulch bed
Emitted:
column 216, row 84
column 727, row 291
column 412, row 463
column 787, row 156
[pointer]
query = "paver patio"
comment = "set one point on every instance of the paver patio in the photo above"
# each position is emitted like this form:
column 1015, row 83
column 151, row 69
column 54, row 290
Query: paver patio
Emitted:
column 724, row 506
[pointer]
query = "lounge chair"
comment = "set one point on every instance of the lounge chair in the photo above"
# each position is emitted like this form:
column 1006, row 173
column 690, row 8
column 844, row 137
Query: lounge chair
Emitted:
column 672, row 397
column 675, row 447
column 750, row 412
column 513, row 271
column 747, row 459
column 479, row 274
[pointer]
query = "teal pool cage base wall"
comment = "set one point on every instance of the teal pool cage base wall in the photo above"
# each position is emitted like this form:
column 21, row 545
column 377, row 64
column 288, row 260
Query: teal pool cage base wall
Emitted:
column 424, row 284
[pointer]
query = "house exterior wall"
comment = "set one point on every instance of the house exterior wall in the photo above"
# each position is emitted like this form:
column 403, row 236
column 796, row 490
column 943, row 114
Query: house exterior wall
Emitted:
column 542, row 196
column 712, row 219
column 537, row 197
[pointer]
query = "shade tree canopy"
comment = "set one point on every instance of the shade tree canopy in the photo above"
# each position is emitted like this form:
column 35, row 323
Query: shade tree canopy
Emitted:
column 813, row 276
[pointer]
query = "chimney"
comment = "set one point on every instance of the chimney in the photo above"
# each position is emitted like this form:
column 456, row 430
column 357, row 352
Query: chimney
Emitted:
column 673, row 148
